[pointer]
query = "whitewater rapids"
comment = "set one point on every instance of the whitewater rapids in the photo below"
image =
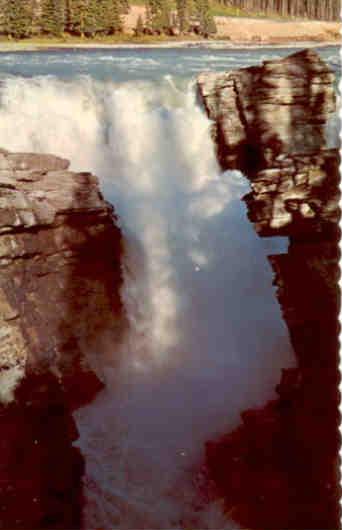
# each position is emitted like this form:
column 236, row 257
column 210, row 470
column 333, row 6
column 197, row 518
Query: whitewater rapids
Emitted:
column 205, row 338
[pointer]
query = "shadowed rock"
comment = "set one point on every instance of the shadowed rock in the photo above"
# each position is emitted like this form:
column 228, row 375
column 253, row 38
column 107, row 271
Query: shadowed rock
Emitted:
column 271, row 123
column 280, row 468
column 59, row 308
column 263, row 111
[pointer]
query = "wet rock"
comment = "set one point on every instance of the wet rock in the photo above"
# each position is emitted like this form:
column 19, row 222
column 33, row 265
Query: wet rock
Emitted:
column 300, row 199
column 41, row 472
column 59, row 263
column 279, row 469
column 59, row 305
column 271, row 122
column 278, row 108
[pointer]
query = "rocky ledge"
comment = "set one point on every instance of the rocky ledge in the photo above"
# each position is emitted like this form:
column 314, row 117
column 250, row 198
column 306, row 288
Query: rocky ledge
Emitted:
column 59, row 298
column 272, row 123
column 279, row 469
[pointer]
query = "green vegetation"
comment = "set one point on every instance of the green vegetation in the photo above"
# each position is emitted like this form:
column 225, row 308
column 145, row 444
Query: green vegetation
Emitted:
column 52, row 17
column 311, row 9
column 220, row 9
column 139, row 30
column 42, row 42
column 75, row 22
column 207, row 25
column 179, row 17
column 17, row 18
column 97, row 19
column 23, row 18
column 158, row 16
column 183, row 13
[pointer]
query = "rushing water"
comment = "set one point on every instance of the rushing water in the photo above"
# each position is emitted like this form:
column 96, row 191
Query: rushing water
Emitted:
column 123, row 64
column 205, row 338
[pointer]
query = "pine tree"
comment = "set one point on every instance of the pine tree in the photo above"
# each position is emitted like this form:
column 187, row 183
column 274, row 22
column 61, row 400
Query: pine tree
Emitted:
column 139, row 29
column 101, row 16
column 53, row 17
column 2, row 17
column 206, row 21
column 210, row 25
column 124, row 6
column 91, row 19
column 17, row 18
column 164, row 21
column 182, row 15
column 108, row 16
column 148, row 16
column 76, row 13
column 114, row 22
column 67, row 16
column 158, row 15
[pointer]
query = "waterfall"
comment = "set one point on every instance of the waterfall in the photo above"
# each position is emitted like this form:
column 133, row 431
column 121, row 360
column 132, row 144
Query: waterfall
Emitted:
column 205, row 338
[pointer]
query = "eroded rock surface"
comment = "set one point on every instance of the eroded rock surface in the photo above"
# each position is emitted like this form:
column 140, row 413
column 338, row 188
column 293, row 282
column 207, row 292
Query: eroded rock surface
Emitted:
column 59, row 304
column 297, row 197
column 264, row 111
column 280, row 469
column 271, row 122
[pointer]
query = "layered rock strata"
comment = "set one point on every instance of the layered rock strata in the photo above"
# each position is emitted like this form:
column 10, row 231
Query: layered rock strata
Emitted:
column 59, row 303
column 265, row 111
column 279, row 468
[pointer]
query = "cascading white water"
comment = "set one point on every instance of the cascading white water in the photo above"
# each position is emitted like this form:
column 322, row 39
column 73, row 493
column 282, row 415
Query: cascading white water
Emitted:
column 205, row 339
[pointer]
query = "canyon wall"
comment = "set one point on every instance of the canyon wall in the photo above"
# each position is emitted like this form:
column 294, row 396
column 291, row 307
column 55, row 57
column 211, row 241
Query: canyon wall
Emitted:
column 59, row 302
column 59, row 307
column 279, row 469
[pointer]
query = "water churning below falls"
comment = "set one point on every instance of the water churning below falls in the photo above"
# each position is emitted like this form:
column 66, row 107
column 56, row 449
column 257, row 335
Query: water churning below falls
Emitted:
column 205, row 338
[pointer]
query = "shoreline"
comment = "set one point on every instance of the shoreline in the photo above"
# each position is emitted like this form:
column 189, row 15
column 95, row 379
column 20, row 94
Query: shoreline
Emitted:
column 232, row 33
column 186, row 44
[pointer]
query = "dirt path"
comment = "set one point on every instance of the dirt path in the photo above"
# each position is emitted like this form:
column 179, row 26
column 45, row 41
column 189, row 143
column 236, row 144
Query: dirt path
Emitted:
column 263, row 30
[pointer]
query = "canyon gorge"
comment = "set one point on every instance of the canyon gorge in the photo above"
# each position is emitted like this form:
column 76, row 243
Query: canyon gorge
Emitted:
column 92, row 305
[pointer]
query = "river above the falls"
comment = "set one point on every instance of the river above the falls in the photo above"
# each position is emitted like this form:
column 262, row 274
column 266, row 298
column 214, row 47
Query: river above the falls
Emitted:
column 124, row 64
column 205, row 338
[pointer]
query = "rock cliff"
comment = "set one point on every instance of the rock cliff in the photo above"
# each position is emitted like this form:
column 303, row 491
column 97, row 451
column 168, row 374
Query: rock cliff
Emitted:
column 279, row 468
column 59, row 298
column 265, row 111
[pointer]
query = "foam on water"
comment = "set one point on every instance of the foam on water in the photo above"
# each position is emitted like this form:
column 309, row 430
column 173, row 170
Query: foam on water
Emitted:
column 205, row 338
column 136, row 63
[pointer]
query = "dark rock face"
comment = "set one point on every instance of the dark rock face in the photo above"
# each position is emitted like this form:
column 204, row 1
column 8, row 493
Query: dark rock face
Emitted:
column 59, row 303
column 41, row 472
column 298, row 197
column 265, row 111
column 280, row 468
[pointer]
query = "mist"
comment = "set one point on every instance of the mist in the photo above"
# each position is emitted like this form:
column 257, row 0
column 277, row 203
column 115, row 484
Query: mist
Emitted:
column 205, row 338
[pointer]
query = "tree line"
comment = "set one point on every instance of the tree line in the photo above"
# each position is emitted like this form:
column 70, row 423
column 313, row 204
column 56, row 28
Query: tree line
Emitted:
column 24, row 18
column 183, row 17
column 90, row 18
column 312, row 9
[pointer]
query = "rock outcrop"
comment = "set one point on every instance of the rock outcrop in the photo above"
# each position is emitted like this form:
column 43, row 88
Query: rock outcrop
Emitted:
column 59, row 302
column 280, row 468
column 265, row 111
